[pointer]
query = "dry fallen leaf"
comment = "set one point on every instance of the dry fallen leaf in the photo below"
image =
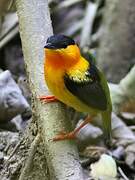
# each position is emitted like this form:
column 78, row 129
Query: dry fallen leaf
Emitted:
column 105, row 168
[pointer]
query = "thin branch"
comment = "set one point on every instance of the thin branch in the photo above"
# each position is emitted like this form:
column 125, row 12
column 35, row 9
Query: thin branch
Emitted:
column 9, row 36
column 35, row 27
column 66, row 4
column 88, row 23
column 15, row 149
column 122, row 174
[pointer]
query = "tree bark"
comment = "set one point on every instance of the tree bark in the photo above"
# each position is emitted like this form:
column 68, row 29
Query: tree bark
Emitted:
column 116, row 53
column 35, row 27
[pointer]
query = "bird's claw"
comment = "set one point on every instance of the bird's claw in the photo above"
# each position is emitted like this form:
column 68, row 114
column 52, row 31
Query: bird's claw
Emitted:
column 64, row 136
column 48, row 98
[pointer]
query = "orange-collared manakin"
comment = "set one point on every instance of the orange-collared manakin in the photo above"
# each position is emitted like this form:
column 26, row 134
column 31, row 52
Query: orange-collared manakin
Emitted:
column 76, row 81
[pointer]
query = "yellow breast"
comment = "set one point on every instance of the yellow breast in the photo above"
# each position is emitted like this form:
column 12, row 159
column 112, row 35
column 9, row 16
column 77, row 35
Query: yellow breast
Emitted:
column 55, row 81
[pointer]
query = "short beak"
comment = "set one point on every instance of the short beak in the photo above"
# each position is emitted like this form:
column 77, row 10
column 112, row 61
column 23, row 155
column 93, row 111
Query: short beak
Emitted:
column 48, row 46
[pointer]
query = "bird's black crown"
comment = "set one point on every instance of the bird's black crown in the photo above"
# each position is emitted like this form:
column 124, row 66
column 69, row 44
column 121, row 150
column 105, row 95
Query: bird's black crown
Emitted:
column 58, row 42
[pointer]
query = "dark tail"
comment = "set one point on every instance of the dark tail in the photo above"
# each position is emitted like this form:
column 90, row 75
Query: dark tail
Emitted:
column 106, row 117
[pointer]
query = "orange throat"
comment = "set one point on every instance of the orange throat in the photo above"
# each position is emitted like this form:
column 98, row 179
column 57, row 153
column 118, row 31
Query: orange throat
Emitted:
column 62, row 58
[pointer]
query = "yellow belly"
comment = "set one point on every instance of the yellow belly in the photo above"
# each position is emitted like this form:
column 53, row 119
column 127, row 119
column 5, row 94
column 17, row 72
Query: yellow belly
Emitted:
column 55, row 83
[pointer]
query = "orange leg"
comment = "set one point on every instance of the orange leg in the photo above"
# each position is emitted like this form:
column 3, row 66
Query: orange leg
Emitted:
column 72, row 134
column 48, row 98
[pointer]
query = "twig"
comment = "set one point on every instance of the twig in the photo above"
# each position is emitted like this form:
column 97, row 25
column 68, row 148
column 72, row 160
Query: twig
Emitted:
column 88, row 23
column 65, row 4
column 15, row 149
column 9, row 36
column 10, row 20
column 122, row 174
column 9, row 28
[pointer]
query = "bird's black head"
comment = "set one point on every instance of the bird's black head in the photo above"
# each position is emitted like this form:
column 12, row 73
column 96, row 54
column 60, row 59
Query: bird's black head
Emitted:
column 58, row 42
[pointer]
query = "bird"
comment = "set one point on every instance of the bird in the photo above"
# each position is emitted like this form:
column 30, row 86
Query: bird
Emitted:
column 74, row 79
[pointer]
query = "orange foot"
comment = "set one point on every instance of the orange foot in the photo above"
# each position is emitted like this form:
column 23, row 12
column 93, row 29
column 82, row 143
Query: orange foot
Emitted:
column 64, row 136
column 48, row 98
column 72, row 134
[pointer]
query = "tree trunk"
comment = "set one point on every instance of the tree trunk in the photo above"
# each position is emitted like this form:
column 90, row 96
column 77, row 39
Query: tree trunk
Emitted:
column 117, row 51
column 62, row 157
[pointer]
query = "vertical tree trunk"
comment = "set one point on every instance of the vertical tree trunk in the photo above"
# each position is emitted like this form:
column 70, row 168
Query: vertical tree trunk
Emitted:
column 35, row 27
column 117, row 51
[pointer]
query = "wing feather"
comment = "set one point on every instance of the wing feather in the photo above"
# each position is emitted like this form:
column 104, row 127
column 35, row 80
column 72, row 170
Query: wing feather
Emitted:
column 89, row 89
